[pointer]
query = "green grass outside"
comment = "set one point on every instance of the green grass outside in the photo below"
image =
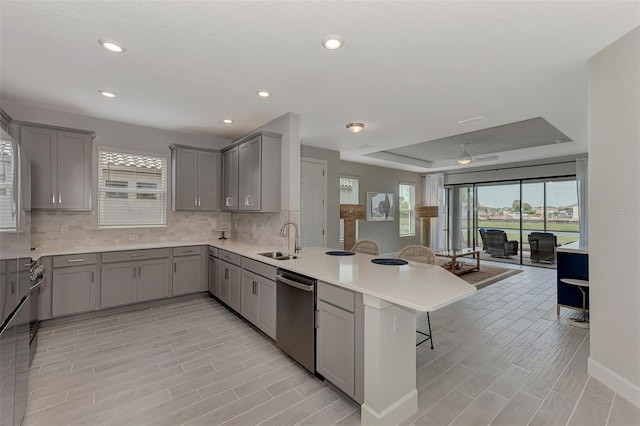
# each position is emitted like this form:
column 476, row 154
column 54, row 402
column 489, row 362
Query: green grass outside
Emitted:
column 527, row 226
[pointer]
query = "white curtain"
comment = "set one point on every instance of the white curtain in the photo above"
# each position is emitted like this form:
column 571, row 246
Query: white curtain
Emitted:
column 582, row 172
column 434, row 196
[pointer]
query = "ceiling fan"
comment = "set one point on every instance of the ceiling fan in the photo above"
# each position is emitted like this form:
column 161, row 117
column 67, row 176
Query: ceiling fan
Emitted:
column 465, row 158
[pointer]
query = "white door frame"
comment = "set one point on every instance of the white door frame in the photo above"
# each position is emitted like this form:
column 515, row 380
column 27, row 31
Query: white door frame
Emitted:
column 324, row 168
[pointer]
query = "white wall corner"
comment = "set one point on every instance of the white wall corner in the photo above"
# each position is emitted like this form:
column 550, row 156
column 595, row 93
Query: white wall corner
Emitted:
column 620, row 385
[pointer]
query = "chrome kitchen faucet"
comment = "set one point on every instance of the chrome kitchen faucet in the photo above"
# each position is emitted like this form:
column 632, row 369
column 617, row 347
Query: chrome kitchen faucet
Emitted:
column 296, row 247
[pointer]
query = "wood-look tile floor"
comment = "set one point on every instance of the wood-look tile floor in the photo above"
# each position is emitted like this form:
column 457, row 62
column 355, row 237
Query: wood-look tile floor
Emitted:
column 501, row 357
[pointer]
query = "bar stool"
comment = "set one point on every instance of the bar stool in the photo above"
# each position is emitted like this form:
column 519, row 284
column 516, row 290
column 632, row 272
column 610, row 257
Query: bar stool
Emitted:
column 582, row 322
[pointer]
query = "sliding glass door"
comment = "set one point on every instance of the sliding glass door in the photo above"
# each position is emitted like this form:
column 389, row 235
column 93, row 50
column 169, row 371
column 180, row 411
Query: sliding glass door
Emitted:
column 516, row 207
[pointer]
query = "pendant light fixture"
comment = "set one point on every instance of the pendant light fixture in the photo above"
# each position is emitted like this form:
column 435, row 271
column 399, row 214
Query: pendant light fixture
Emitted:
column 464, row 157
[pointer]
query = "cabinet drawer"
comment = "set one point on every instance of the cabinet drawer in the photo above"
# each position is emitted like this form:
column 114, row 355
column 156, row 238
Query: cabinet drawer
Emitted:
column 122, row 256
column 213, row 251
column 186, row 251
column 75, row 260
column 233, row 258
column 259, row 268
column 337, row 296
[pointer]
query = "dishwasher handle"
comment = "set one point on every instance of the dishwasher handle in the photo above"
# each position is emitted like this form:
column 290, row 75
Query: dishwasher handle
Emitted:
column 295, row 284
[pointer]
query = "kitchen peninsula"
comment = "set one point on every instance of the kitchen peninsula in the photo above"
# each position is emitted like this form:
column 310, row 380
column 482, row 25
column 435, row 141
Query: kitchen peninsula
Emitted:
column 392, row 295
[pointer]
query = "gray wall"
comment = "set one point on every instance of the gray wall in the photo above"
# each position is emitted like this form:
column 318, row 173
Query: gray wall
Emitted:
column 614, row 210
column 382, row 179
column 333, row 190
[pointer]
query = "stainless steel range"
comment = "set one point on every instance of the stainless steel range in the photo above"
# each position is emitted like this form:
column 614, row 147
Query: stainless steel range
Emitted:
column 18, row 292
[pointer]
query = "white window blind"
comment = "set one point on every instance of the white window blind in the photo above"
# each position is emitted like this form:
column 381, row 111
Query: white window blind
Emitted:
column 407, row 200
column 132, row 189
column 7, row 188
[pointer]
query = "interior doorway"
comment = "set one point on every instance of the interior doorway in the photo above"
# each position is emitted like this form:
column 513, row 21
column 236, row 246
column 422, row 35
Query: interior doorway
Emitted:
column 313, row 206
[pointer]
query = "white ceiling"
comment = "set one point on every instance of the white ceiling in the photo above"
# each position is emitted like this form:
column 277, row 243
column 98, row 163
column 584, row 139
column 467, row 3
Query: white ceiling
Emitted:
column 409, row 70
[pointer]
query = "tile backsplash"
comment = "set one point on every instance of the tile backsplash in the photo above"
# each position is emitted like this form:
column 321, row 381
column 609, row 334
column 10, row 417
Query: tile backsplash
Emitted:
column 68, row 229
column 56, row 230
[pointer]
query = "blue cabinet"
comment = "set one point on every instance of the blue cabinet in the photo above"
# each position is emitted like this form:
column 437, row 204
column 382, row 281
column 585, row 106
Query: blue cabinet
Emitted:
column 572, row 265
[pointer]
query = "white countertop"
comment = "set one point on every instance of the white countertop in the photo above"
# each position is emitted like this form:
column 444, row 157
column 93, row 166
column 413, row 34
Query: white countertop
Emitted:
column 416, row 286
column 578, row 247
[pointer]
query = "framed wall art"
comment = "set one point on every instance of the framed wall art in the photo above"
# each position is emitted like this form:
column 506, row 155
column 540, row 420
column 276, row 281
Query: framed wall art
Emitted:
column 380, row 206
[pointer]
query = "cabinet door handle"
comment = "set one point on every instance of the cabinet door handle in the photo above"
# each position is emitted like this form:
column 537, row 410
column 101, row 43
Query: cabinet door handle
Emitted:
column 137, row 255
column 255, row 288
column 134, row 272
column 53, row 198
column 188, row 251
column 139, row 271
column 226, row 273
column 75, row 260
column 317, row 319
column 13, row 287
column 250, row 199
column 175, row 267
column 59, row 198
column 227, row 201
column 198, row 201
column 246, row 200
column 93, row 276
column 195, row 201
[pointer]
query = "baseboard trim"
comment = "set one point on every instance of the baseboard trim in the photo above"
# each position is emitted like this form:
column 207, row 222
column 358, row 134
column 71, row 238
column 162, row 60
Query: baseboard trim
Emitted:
column 620, row 385
column 393, row 414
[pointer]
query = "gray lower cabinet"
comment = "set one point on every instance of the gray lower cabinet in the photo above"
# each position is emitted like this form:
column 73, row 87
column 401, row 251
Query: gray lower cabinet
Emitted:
column 259, row 296
column 60, row 166
column 146, row 277
column 74, row 290
column 75, row 284
column 340, row 339
column 213, row 276
column 187, row 274
column 119, row 281
column 229, row 284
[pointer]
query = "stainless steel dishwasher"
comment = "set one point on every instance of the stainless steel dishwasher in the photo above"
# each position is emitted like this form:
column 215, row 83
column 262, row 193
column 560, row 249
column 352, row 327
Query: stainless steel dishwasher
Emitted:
column 296, row 325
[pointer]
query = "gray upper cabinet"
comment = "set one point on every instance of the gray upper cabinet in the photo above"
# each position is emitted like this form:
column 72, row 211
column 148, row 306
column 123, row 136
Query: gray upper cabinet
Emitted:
column 230, row 179
column 251, row 174
column 196, row 175
column 60, row 167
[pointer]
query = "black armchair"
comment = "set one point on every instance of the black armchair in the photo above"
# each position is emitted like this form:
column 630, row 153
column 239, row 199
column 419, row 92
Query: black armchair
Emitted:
column 543, row 246
column 496, row 244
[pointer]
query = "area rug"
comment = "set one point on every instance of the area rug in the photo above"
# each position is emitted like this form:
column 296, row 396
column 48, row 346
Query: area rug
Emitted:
column 488, row 275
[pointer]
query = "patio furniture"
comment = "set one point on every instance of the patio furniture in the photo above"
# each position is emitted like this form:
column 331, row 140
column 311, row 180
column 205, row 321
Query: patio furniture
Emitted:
column 366, row 247
column 459, row 268
column 421, row 254
column 497, row 244
column 483, row 235
column 543, row 246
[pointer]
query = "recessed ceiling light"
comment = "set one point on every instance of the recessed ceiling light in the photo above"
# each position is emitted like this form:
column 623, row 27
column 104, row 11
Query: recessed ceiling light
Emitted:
column 355, row 127
column 264, row 94
column 107, row 94
column 112, row 46
column 227, row 121
column 333, row 42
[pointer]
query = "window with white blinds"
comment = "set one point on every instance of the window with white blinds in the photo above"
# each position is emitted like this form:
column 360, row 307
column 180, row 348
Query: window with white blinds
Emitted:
column 7, row 185
column 132, row 189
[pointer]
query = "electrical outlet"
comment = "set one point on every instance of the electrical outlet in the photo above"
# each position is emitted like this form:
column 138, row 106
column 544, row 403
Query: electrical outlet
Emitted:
column 64, row 229
column 133, row 237
column 192, row 227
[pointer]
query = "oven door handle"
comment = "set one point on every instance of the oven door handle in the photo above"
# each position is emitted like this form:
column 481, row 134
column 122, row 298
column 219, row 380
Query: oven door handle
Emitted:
column 295, row 284
column 36, row 285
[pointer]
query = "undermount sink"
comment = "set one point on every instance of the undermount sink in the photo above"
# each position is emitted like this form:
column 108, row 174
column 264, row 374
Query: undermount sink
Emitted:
column 278, row 255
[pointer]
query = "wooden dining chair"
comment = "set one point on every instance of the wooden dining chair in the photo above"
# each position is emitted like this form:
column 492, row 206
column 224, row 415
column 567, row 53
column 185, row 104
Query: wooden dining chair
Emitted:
column 366, row 247
column 421, row 254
